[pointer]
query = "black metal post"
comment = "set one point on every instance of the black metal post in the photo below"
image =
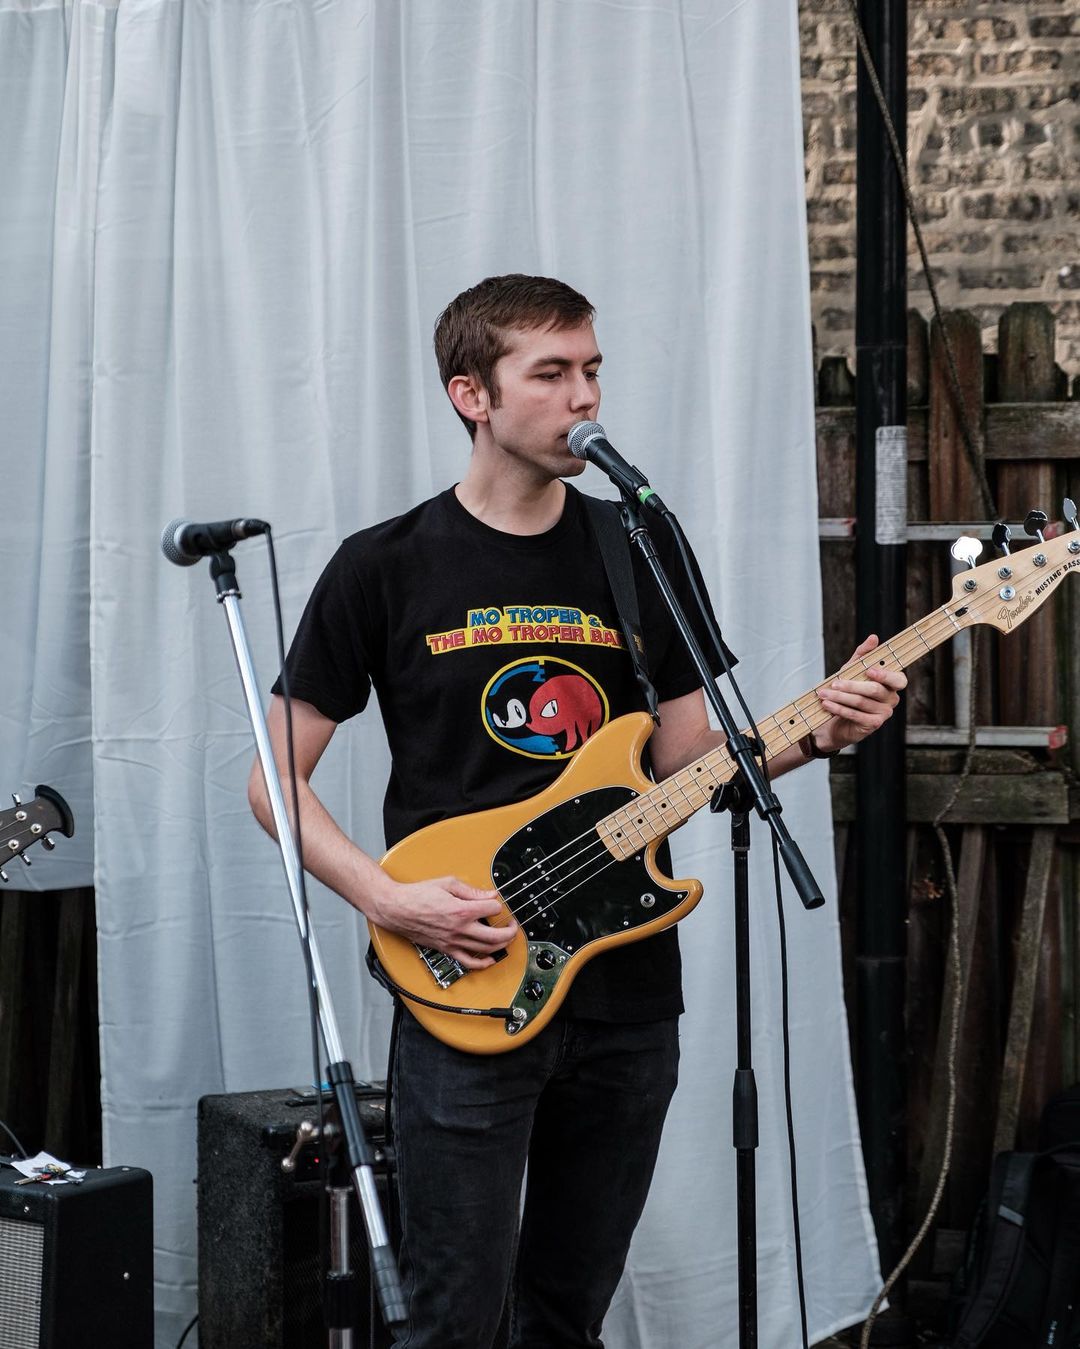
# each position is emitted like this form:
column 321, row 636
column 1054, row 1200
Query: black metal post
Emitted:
column 881, row 509
column 744, row 1111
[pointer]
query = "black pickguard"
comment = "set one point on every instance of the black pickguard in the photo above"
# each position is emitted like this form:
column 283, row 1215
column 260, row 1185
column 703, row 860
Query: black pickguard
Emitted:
column 562, row 884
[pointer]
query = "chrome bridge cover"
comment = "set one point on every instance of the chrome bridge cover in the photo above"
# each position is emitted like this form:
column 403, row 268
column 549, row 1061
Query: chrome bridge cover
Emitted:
column 445, row 970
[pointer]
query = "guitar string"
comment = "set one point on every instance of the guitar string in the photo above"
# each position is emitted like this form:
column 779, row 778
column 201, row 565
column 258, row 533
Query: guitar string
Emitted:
column 903, row 648
column 656, row 799
column 903, row 652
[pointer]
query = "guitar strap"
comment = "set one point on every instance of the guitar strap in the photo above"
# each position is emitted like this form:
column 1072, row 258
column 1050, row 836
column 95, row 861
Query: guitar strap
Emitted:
column 615, row 550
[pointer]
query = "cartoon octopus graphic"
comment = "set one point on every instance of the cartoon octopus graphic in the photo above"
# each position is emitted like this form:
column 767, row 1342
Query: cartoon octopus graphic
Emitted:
column 543, row 708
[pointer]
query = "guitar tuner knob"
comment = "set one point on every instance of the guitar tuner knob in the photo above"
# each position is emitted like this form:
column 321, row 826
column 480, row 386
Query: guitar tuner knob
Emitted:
column 1035, row 523
column 1068, row 509
column 48, row 844
column 3, row 875
column 966, row 549
column 16, row 798
column 25, row 860
column 1000, row 537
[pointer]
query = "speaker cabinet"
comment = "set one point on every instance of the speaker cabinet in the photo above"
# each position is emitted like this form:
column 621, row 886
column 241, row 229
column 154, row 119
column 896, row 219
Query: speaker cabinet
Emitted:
column 263, row 1233
column 77, row 1262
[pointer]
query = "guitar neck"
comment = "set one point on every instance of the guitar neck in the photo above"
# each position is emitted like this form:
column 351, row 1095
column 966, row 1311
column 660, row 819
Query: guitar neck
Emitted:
column 654, row 814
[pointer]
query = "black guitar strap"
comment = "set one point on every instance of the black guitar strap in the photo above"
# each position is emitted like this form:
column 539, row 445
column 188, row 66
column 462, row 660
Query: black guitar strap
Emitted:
column 615, row 550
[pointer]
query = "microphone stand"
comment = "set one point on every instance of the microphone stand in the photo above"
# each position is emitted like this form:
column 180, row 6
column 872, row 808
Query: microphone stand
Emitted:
column 357, row 1161
column 748, row 789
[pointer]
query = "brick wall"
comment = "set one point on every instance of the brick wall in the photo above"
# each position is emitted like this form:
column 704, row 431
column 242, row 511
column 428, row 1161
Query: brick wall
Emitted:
column 993, row 155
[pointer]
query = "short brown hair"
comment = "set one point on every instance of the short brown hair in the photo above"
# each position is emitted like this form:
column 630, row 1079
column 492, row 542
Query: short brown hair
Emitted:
column 471, row 334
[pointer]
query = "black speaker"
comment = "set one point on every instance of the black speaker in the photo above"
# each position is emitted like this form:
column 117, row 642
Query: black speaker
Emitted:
column 77, row 1262
column 263, row 1233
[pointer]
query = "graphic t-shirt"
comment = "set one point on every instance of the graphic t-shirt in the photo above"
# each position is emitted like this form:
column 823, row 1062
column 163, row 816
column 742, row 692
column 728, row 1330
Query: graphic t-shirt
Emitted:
column 494, row 657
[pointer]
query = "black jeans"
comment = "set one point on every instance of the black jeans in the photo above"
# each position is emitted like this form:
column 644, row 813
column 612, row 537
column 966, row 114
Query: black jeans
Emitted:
column 584, row 1104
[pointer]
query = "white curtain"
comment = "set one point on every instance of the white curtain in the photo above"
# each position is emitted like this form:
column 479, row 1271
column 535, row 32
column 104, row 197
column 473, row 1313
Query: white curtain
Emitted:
column 226, row 230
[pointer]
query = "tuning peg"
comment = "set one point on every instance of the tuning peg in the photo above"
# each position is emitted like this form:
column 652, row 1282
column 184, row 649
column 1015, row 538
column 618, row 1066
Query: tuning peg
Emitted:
column 1035, row 523
column 1000, row 536
column 16, row 798
column 25, row 859
column 1068, row 509
column 966, row 549
column 48, row 844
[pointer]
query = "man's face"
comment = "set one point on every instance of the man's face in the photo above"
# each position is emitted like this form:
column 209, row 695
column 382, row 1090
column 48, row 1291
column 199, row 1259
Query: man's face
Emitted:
column 547, row 382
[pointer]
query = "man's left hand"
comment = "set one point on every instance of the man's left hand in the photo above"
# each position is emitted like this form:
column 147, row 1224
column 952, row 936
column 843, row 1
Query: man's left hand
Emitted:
column 858, row 706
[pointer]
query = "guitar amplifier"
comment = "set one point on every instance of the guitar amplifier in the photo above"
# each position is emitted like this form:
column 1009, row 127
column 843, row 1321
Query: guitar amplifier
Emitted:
column 77, row 1262
column 263, row 1233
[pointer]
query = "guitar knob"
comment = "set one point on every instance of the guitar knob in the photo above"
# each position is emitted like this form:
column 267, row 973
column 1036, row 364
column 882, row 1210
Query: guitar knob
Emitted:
column 534, row 990
column 546, row 960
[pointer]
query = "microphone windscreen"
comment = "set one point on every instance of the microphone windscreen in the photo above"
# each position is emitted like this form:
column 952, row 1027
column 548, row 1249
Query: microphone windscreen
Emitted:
column 579, row 436
column 168, row 544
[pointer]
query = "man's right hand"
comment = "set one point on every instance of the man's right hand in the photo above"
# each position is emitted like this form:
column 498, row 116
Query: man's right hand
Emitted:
column 448, row 915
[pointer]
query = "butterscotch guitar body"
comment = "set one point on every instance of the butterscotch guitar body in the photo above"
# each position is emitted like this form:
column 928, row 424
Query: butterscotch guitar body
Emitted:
column 572, row 898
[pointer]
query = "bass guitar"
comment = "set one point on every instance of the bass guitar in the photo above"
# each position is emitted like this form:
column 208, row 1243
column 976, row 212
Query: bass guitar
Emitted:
column 576, row 864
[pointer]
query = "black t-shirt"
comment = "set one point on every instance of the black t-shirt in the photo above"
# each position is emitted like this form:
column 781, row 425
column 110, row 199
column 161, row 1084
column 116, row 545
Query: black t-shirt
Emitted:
column 493, row 657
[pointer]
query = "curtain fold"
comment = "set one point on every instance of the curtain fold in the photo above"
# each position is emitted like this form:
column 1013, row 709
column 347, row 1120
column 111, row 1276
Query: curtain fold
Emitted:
column 231, row 231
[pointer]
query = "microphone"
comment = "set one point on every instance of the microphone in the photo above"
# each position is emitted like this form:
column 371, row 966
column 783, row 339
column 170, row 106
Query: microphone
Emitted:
column 588, row 440
column 186, row 543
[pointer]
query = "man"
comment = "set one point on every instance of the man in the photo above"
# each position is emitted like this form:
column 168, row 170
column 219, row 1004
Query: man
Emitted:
column 484, row 622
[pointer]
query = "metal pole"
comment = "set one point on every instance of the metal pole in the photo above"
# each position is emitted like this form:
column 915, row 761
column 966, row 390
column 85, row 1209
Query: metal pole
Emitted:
column 881, row 509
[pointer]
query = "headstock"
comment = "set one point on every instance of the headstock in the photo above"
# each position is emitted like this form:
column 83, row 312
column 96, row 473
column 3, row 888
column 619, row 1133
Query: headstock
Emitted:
column 21, row 826
column 1006, row 591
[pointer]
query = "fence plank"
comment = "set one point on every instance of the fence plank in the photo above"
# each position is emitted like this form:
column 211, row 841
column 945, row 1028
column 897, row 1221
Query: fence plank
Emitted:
column 954, row 494
column 1038, row 798
column 1027, row 673
column 1024, row 981
column 1026, row 370
column 1012, row 431
column 969, row 886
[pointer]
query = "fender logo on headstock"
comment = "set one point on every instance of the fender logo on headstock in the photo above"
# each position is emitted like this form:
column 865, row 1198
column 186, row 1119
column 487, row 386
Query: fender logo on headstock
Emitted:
column 1011, row 616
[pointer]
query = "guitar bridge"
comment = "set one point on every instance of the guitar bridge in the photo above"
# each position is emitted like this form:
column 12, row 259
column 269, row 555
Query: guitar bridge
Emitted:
column 444, row 969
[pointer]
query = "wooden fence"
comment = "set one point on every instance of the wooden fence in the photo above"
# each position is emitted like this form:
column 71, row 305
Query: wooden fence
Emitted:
column 1013, row 829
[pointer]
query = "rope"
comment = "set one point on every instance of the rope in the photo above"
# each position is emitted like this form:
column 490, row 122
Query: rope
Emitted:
column 953, row 1030
column 975, row 456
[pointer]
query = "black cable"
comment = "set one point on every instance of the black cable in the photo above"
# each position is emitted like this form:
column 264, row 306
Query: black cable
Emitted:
column 693, row 572
column 187, row 1329
column 785, row 1024
column 22, row 1151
